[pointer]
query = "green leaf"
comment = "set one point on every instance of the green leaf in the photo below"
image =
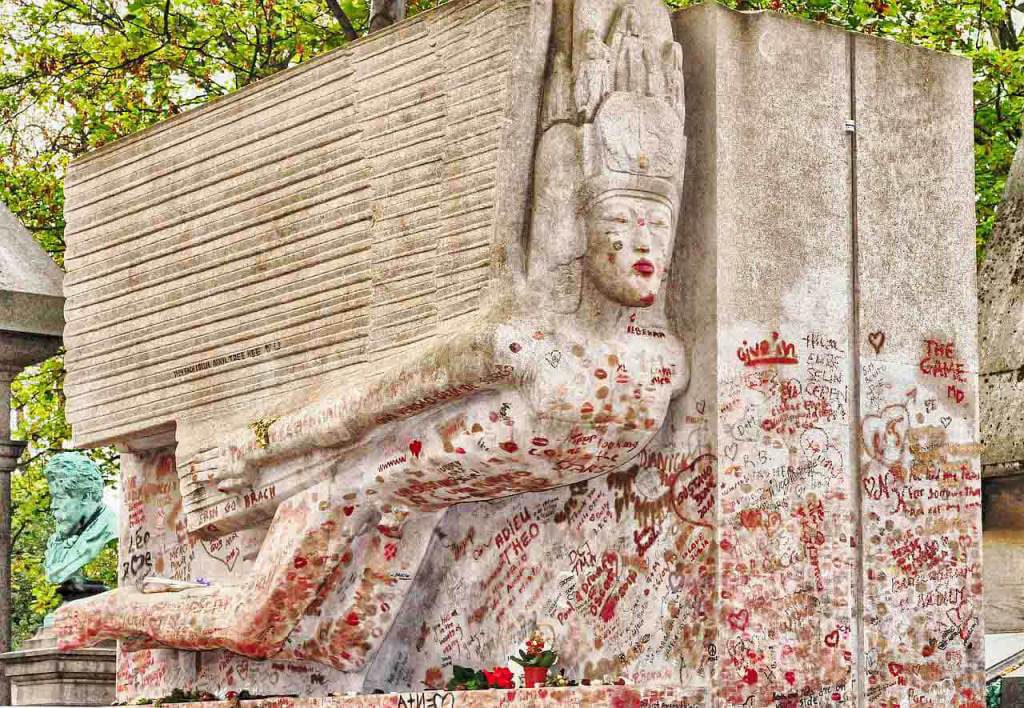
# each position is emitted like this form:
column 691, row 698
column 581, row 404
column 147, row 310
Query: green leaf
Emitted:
column 547, row 658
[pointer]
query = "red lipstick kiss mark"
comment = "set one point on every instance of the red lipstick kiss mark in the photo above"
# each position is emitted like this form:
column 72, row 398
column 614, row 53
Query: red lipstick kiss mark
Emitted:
column 739, row 620
column 601, row 374
column 647, row 300
column 586, row 409
column 299, row 562
column 352, row 619
column 608, row 611
column 644, row 267
column 539, row 442
column 508, row 446
column 414, row 447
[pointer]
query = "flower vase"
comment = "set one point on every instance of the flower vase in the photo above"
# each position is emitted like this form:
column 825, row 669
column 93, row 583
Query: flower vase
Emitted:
column 534, row 675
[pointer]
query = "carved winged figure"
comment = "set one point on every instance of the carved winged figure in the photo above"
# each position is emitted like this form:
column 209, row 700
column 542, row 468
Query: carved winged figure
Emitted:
column 566, row 379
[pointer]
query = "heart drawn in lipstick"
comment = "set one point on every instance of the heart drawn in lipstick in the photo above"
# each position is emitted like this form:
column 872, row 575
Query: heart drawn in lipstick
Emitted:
column 644, row 267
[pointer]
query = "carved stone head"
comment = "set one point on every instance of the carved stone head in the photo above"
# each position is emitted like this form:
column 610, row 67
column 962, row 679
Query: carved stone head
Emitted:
column 609, row 167
column 629, row 238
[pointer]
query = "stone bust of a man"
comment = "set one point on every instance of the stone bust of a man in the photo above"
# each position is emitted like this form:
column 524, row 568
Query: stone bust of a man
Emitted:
column 84, row 524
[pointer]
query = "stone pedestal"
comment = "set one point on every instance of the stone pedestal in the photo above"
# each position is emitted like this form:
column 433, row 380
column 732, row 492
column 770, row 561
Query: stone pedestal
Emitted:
column 41, row 675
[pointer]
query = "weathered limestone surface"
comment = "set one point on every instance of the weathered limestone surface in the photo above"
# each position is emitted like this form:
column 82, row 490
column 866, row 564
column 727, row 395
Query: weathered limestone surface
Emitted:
column 1003, row 499
column 1001, row 322
column 831, row 500
column 31, row 300
column 791, row 512
column 43, row 675
column 920, row 510
column 324, row 221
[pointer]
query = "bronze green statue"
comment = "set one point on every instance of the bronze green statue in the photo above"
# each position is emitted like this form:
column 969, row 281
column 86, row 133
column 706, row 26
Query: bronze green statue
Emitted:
column 84, row 524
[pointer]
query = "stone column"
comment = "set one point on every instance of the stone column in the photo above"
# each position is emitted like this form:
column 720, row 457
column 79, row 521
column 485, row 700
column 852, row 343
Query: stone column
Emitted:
column 10, row 451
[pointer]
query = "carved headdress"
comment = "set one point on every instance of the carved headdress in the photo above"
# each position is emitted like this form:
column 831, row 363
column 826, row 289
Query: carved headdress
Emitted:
column 612, row 122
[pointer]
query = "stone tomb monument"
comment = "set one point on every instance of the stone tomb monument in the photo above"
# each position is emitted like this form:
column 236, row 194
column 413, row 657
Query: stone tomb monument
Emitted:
column 653, row 332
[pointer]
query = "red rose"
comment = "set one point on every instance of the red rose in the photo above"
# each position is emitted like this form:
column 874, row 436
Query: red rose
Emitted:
column 500, row 677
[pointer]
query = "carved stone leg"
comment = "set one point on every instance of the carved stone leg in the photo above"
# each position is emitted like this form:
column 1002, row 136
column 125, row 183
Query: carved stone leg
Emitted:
column 356, row 615
column 305, row 543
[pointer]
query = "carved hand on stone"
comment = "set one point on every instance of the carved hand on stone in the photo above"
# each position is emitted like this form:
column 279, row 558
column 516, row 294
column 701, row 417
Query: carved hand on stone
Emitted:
column 269, row 439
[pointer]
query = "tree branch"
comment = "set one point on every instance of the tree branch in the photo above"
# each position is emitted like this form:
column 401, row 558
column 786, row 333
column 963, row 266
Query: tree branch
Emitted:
column 342, row 18
column 167, row 20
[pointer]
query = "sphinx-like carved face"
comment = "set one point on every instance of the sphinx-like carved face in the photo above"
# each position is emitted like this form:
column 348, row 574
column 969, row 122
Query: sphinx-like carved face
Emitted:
column 628, row 240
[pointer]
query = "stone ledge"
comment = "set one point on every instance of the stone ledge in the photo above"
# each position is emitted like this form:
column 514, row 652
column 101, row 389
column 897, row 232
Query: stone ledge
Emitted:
column 617, row 696
column 46, row 676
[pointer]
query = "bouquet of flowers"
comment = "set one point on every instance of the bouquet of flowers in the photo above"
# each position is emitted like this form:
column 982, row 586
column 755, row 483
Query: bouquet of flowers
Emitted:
column 466, row 679
column 535, row 654
column 536, row 661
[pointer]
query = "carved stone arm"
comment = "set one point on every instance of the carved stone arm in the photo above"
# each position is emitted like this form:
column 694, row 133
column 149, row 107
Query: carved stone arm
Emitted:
column 451, row 369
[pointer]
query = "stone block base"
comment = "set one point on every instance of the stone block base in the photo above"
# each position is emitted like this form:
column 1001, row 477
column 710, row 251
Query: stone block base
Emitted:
column 624, row 696
column 40, row 675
